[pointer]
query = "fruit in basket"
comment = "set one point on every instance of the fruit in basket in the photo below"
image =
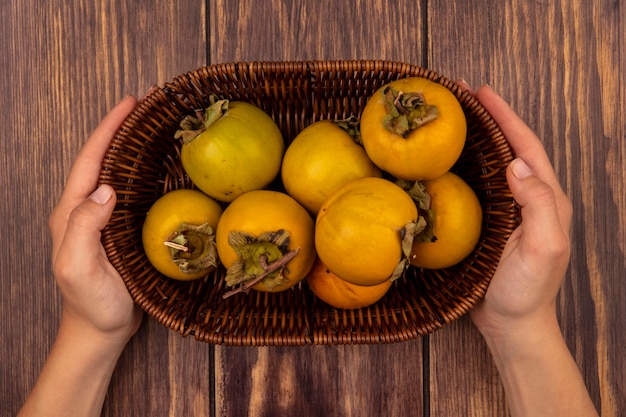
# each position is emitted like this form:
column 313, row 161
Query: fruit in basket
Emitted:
column 230, row 148
column 413, row 128
column 265, row 240
column 178, row 234
column 364, row 230
column 322, row 157
column 339, row 293
column 457, row 221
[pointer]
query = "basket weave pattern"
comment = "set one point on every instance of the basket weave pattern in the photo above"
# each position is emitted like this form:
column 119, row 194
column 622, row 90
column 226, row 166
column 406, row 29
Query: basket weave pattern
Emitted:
column 143, row 163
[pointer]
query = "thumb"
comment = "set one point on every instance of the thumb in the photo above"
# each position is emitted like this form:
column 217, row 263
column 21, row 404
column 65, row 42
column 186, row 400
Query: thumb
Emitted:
column 82, row 235
column 97, row 208
column 540, row 216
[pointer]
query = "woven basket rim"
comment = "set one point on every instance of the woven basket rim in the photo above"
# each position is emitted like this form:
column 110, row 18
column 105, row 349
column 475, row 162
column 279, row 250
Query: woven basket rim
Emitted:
column 140, row 164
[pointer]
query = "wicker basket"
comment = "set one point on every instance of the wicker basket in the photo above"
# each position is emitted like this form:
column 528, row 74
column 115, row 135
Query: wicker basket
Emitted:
column 143, row 163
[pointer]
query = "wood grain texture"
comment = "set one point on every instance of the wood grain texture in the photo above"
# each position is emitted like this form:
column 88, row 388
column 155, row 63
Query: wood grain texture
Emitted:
column 363, row 380
column 463, row 380
column 274, row 30
column 64, row 65
column 560, row 64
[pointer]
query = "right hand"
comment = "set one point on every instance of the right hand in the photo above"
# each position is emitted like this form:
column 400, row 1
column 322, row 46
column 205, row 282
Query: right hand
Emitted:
column 523, row 290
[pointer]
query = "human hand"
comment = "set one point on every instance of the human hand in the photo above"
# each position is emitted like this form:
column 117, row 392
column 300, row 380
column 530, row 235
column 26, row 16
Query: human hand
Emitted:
column 99, row 315
column 95, row 299
column 523, row 290
column 517, row 315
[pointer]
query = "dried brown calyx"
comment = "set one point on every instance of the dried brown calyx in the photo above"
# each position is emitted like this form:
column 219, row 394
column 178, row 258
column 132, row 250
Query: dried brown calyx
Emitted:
column 192, row 248
column 406, row 111
column 424, row 230
column 259, row 258
column 351, row 126
column 192, row 126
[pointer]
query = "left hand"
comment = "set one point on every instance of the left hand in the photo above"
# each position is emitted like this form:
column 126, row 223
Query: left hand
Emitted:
column 95, row 297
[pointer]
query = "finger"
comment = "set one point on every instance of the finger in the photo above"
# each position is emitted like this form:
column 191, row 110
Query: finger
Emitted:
column 152, row 89
column 84, row 174
column 523, row 141
column 541, row 220
column 465, row 86
column 527, row 146
column 81, row 239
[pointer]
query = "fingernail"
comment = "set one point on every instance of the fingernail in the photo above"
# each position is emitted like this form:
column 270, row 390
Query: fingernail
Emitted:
column 102, row 195
column 464, row 83
column 520, row 169
column 465, row 86
column 150, row 91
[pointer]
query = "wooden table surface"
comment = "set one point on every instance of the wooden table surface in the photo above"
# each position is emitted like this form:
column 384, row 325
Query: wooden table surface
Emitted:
column 561, row 64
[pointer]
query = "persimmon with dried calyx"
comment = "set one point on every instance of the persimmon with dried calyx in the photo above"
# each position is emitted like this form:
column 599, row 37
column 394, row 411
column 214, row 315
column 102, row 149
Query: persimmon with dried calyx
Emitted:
column 364, row 231
column 230, row 148
column 339, row 293
column 178, row 234
column 413, row 128
column 323, row 156
column 456, row 223
column 265, row 240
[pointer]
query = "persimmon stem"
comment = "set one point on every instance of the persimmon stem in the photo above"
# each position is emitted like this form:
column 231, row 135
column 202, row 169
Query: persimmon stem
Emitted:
column 176, row 246
column 267, row 269
column 398, row 104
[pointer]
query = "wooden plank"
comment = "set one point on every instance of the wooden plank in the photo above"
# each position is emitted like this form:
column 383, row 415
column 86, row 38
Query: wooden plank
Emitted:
column 561, row 67
column 273, row 30
column 317, row 380
column 64, row 65
column 462, row 376
column 346, row 380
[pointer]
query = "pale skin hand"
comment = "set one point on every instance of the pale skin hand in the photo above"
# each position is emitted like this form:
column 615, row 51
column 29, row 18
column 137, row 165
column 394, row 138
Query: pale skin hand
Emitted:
column 517, row 316
column 99, row 316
